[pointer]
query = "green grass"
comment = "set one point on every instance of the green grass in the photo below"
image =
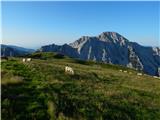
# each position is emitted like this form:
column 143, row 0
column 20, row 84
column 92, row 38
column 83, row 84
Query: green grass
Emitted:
column 41, row 90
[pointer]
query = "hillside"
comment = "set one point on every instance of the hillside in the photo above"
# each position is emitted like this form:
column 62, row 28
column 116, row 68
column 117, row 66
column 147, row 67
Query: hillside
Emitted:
column 40, row 90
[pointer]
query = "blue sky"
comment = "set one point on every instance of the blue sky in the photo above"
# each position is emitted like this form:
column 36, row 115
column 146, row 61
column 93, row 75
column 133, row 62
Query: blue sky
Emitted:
column 32, row 24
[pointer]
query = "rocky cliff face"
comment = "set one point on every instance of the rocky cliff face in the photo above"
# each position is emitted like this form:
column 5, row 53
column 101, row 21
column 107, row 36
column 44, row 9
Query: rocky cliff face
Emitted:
column 111, row 47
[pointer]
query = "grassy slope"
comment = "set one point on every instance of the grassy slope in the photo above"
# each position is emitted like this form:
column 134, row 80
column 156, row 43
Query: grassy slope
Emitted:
column 41, row 90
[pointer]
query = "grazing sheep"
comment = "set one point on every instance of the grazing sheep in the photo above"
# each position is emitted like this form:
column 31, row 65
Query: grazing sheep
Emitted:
column 125, row 71
column 139, row 74
column 24, row 60
column 29, row 59
column 156, row 77
column 69, row 70
column 120, row 70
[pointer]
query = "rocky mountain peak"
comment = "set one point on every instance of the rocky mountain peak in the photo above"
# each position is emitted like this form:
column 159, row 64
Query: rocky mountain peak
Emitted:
column 104, row 34
column 111, row 47
column 78, row 43
column 112, row 37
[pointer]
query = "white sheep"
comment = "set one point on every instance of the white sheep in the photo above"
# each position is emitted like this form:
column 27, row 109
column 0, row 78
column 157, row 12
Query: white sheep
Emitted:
column 28, row 59
column 69, row 70
column 125, row 71
column 156, row 77
column 139, row 74
column 120, row 70
column 24, row 60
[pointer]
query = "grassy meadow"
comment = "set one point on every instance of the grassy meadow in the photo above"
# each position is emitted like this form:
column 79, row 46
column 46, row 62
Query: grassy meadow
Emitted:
column 41, row 90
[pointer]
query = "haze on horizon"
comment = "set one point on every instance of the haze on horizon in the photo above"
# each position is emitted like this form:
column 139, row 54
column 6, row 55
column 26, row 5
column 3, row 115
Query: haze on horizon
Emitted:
column 33, row 24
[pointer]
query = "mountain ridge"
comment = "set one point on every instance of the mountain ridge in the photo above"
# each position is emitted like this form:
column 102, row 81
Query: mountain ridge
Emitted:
column 12, row 50
column 111, row 47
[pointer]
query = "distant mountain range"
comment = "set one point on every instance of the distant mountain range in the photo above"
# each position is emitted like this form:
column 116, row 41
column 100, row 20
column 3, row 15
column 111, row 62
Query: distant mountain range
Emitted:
column 111, row 47
column 10, row 50
column 108, row 47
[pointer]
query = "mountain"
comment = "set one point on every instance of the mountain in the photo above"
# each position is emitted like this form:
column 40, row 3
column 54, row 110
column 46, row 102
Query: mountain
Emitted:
column 111, row 47
column 64, row 49
column 10, row 50
column 21, row 48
